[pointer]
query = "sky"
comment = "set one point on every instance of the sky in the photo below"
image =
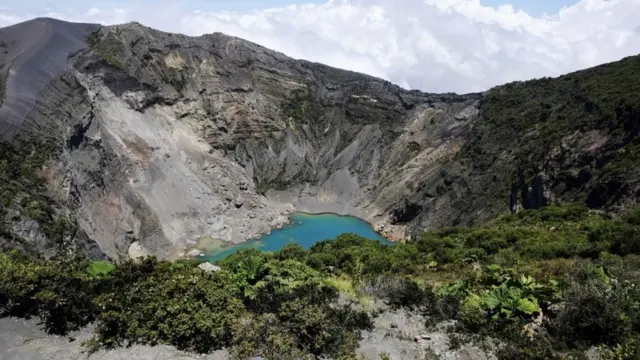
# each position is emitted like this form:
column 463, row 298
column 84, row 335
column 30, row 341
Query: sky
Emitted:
column 432, row 45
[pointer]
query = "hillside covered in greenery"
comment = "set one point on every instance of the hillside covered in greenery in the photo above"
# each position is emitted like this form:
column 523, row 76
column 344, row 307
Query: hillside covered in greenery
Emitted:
column 574, row 138
column 543, row 284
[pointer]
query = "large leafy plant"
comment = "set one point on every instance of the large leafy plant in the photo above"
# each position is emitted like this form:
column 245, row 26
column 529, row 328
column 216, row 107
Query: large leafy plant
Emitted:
column 502, row 293
column 510, row 301
column 516, row 296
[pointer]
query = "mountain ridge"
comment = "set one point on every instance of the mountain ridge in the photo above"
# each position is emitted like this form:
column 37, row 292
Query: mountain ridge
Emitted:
column 171, row 139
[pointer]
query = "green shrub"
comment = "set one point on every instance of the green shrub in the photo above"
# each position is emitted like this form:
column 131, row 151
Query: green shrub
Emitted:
column 629, row 350
column 408, row 295
column 187, row 263
column 265, row 335
column 618, row 237
column 522, row 347
column 304, row 305
column 321, row 329
column 57, row 292
column 597, row 309
column 292, row 252
column 633, row 216
column 471, row 314
column 550, row 214
column 281, row 305
column 188, row 308
column 398, row 292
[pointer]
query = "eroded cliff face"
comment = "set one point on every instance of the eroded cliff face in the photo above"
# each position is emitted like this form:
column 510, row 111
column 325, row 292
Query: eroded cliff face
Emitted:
column 163, row 140
column 223, row 137
column 167, row 139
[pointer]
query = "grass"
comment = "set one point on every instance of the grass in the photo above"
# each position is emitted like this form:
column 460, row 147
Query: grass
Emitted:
column 100, row 268
column 108, row 46
column 347, row 288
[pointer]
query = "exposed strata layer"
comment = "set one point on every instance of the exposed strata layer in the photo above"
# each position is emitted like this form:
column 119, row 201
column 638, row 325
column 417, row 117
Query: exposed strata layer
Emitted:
column 177, row 138
column 163, row 140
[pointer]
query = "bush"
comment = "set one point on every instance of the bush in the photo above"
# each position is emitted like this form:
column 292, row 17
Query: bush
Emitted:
column 287, row 304
column 522, row 347
column 629, row 350
column 298, row 298
column 619, row 238
column 597, row 309
column 57, row 292
column 398, row 292
column 633, row 216
column 551, row 214
column 264, row 335
column 260, row 305
column 323, row 330
column 188, row 308
column 292, row 252
column 409, row 294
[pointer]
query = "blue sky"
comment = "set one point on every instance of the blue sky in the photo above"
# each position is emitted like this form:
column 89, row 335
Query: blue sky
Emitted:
column 532, row 7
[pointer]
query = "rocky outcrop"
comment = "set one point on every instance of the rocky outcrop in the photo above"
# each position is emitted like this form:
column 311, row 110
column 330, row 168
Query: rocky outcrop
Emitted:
column 209, row 267
column 165, row 139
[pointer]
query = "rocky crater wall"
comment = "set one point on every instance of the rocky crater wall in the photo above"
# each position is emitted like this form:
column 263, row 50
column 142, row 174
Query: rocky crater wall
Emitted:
column 161, row 140
column 218, row 137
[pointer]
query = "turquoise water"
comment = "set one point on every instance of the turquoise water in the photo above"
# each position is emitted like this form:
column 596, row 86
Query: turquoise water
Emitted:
column 306, row 230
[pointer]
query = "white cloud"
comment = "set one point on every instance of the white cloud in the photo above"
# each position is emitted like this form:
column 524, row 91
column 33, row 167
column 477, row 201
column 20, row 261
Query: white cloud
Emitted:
column 432, row 45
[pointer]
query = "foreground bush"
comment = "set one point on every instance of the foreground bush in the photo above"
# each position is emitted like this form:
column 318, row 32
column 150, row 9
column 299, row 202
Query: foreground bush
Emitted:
column 58, row 292
column 598, row 308
column 185, row 307
column 260, row 305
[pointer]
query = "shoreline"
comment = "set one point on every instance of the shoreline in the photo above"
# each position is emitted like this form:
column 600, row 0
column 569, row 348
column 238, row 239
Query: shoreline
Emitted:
column 288, row 204
column 249, row 241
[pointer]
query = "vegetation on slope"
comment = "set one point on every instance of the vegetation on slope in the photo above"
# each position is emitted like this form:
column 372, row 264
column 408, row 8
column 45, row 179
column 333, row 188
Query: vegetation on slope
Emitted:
column 574, row 138
column 24, row 197
column 565, row 276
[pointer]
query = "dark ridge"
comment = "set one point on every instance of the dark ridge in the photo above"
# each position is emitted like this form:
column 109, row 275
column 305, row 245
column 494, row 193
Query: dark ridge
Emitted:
column 37, row 51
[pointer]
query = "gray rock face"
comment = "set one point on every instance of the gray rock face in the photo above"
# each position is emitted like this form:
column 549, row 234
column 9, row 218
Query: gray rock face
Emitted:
column 169, row 139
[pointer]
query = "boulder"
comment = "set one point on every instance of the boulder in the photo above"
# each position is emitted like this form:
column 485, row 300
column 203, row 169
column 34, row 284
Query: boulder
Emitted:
column 194, row 252
column 209, row 267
